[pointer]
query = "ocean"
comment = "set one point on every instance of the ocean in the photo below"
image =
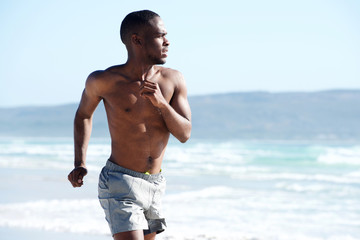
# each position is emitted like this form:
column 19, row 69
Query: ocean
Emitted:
column 219, row 190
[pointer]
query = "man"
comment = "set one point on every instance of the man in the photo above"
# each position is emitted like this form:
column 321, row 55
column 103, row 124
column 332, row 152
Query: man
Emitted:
column 144, row 103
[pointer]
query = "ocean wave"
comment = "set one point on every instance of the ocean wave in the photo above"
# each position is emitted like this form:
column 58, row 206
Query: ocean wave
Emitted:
column 301, row 187
column 51, row 154
column 86, row 216
column 293, row 176
column 202, row 154
column 43, row 163
column 227, row 152
column 355, row 174
column 347, row 156
column 76, row 216
column 215, row 213
column 60, row 150
column 206, row 193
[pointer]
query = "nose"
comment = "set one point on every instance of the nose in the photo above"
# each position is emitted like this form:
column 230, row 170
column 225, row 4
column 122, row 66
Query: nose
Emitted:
column 166, row 42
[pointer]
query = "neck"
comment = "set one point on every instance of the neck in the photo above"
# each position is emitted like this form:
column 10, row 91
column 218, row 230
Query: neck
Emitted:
column 139, row 70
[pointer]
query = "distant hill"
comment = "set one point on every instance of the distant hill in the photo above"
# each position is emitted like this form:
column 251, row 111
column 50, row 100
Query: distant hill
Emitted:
column 329, row 115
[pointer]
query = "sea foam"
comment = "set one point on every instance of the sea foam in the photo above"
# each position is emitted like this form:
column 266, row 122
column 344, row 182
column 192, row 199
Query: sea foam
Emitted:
column 347, row 156
column 77, row 216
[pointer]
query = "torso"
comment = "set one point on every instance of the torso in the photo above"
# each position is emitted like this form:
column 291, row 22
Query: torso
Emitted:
column 138, row 133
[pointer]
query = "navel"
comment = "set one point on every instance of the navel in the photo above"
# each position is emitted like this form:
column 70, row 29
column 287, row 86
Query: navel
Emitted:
column 127, row 109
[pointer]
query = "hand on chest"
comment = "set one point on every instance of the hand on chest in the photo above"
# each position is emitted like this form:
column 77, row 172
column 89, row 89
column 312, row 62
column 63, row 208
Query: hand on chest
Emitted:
column 127, row 97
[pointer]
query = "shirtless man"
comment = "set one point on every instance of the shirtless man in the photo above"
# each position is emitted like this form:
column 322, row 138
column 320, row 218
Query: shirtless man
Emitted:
column 144, row 103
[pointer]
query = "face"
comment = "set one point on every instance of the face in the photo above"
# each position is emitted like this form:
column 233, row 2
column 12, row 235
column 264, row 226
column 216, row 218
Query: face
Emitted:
column 155, row 43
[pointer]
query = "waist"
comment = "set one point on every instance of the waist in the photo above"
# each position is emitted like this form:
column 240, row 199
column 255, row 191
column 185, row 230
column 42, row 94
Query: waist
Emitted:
column 117, row 168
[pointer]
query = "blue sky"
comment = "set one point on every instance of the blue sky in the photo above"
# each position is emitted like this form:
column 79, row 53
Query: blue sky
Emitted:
column 48, row 48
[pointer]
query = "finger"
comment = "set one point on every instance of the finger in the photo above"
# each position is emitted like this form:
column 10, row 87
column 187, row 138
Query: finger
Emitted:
column 148, row 86
column 76, row 177
column 147, row 90
column 148, row 81
column 80, row 179
column 70, row 178
column 73, row 178
column 81, row 176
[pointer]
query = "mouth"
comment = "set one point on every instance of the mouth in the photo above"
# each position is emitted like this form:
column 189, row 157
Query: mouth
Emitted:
column 164, row 53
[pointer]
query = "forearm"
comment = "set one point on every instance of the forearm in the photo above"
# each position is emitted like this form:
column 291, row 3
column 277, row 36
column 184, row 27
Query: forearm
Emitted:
column 82, row 132
column 178, row 126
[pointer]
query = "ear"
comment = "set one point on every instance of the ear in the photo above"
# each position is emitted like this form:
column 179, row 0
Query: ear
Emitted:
column 136, row 40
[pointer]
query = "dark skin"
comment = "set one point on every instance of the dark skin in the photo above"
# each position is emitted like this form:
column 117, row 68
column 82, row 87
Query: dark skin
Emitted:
column 144, row 103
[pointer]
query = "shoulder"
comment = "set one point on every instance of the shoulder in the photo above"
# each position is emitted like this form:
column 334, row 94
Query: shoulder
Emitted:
column 175, row 79
column 101, row 75
column 97, row 82
column 170, row 73
column 175, row 76
column 103, row 78
column 95, row 76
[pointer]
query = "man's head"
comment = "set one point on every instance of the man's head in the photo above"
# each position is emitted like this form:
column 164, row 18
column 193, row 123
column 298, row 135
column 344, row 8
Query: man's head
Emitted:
column 144, row 34
column 135, row 22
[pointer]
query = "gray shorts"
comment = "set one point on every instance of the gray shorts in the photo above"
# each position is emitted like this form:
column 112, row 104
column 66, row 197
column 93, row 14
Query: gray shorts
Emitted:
column 131, row 200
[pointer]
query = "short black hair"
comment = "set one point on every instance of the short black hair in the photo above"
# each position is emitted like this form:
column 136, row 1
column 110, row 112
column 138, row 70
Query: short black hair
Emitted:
column 134, row 21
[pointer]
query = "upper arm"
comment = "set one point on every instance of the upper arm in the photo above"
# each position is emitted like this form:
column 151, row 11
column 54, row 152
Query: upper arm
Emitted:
column 179, row 100
column 91, row 96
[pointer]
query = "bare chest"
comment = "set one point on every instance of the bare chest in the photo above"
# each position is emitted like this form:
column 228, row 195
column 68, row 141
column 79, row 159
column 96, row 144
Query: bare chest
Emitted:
column 124, row 101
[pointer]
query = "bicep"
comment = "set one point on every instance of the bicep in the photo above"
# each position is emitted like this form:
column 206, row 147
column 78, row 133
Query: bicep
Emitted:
column 89, row 100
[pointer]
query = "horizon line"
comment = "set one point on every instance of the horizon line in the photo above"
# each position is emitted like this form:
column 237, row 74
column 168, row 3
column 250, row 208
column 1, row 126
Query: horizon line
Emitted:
column 36, row 105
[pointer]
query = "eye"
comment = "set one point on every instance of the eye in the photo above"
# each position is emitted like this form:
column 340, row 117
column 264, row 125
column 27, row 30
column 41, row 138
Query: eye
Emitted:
column 161, row 35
